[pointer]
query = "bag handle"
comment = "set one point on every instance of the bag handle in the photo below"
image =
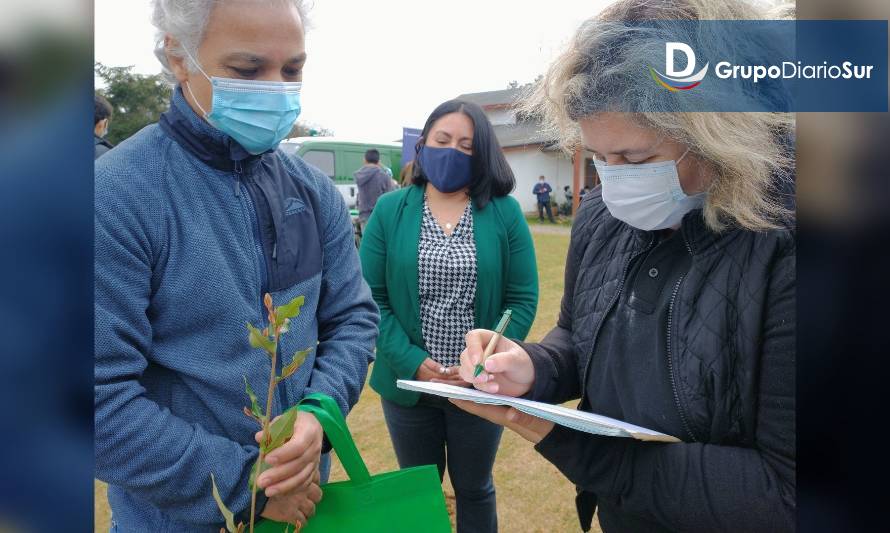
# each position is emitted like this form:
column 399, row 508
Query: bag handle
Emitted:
column 328, row 414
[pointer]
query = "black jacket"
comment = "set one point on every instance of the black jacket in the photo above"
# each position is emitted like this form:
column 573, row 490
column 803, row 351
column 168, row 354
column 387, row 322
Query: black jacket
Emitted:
column 101, row 145
column 731, row 351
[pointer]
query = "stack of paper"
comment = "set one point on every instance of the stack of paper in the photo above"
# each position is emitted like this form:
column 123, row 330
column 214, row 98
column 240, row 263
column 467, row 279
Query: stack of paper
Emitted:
column 579, row 420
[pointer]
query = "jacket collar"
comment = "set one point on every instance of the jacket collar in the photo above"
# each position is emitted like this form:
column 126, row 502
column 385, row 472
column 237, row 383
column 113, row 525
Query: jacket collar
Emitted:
column 414, row 195
column 200, row 139
column 101, row 140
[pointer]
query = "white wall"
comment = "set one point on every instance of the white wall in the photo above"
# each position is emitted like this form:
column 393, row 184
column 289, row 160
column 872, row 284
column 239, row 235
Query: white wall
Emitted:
column 528, row 164
column 501, row 116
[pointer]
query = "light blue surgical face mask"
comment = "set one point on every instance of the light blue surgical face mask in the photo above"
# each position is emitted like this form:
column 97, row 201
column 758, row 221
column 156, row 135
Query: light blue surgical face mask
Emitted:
column 647, row 196
column 257, row 114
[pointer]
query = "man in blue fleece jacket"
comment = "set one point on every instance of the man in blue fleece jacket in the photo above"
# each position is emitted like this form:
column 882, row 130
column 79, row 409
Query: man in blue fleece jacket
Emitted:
column 197, row 218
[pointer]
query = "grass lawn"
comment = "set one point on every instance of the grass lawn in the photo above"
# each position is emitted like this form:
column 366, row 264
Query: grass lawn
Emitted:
column 561, row 220
column 532, row 495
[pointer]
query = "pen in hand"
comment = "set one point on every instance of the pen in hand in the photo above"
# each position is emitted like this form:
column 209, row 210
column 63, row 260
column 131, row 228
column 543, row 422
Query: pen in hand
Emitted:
column 489, row 349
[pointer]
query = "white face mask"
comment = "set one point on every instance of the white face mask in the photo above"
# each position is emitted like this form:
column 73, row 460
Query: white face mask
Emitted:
column 647, row 196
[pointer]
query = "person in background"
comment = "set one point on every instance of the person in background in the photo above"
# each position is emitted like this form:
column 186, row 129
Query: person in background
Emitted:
column 542, row 191
column 679, row 306
column 583, row 192
column 384, row 168
column 443, row 256
column 372, row 181
column 197, row 218
column 566, row 208
column 101, row 121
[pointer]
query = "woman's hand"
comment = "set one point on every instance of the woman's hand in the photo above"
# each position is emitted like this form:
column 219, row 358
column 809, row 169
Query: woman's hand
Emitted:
column 429, row 370
column 529, row 427
column 508, row 371
column 451, row 376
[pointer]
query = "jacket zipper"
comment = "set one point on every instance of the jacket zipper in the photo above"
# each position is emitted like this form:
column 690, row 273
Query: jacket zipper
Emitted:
column 609, row 310
column 261, row 266
column 670, row 358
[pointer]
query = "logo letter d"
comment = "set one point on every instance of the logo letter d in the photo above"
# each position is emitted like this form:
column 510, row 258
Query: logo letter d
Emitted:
column 669, row 49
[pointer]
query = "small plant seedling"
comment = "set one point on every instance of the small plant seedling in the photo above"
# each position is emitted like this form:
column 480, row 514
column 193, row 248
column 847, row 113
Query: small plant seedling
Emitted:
column 275, row 432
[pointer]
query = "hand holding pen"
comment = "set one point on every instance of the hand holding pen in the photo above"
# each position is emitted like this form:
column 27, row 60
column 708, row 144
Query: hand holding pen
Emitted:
column 506, row 370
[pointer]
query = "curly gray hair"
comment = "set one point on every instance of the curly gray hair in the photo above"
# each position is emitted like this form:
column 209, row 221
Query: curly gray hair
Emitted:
column 602, row 70
column 185, row 21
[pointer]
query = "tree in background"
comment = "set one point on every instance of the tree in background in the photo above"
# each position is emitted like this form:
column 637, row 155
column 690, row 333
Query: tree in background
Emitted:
column 309, row 130
column 138, row 100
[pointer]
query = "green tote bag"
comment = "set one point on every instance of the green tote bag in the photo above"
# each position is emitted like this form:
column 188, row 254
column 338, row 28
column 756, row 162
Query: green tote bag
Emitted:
column 404, row 501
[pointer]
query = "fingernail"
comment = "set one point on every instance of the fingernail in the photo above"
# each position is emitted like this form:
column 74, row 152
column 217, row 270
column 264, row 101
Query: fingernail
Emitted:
column 270, row 493
column 271, row 460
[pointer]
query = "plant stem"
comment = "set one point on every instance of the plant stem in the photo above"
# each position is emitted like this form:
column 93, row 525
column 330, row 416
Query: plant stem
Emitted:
column 266, row 420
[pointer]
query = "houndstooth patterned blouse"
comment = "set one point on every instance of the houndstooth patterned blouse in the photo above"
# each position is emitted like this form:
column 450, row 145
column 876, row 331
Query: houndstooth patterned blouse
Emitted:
column 447, row 278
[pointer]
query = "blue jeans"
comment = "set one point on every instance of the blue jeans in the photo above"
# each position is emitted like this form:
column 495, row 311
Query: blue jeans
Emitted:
column 435, row 432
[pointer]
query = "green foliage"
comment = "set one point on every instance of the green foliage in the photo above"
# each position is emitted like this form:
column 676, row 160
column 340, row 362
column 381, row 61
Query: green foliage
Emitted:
column 259, row 340
column 254, row 406
column 254, row 474
column 138, row 100
column 290, row 309
column 299, row 359
column 280, row 431
column 229, row 516
column 302, row 129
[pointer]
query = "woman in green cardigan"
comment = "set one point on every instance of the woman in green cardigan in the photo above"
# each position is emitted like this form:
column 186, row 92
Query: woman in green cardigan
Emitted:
column 444, row 256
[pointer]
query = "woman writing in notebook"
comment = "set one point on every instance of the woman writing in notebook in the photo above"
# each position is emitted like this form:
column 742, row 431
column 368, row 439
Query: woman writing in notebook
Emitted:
column 679, row 306
column 443, row 256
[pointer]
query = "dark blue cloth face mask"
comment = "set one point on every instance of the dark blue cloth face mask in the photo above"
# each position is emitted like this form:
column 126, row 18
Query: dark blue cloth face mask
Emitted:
column 449, row 170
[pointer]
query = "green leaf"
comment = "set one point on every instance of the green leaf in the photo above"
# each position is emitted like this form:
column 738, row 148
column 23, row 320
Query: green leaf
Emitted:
column 230, row 518
column 254, row 473
column 296, row 362
column 258, row 340
column 281, row 429
column 254, row 406
column 289, row 310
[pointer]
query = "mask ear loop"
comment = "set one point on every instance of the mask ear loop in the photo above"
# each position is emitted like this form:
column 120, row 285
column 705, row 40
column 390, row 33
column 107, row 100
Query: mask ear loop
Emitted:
column 682, row 156
column 189, row 85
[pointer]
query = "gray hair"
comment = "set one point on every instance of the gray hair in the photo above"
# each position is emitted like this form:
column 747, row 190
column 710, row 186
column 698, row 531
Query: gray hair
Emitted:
column 602, row 70
column 185, row 21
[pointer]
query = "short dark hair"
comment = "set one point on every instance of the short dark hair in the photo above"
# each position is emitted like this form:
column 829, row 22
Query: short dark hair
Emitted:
column 103, row 109
column 492, row 175
column 372, row 156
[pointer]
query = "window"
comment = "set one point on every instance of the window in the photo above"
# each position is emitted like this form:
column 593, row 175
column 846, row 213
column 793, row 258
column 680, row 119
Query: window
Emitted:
column 323, row 159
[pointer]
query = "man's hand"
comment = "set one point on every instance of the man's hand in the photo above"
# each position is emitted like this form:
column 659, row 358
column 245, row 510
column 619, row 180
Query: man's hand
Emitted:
column 295, row 461
column 529, row 427
column 294, row 507
column 508, row 370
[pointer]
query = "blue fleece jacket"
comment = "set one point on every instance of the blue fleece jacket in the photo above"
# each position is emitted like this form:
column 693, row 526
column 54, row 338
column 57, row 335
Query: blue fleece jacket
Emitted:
column 190, row 231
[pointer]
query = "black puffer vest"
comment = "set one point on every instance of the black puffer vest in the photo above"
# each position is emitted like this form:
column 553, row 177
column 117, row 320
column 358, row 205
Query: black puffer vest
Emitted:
column 716, row 317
